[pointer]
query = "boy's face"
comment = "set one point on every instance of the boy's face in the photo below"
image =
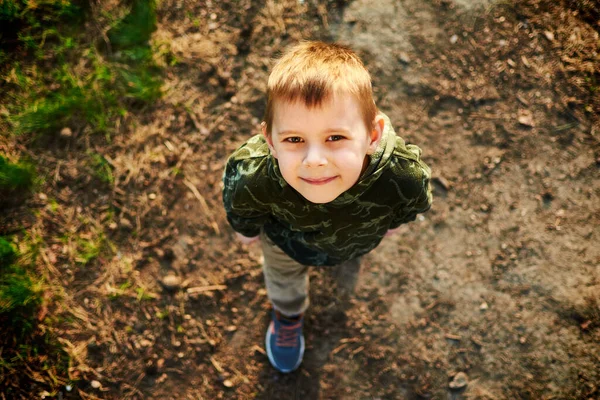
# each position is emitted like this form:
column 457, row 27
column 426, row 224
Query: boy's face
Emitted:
column 322, row 151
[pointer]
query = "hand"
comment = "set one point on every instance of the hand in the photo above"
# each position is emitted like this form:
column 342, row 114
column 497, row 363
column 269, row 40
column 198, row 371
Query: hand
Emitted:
column 245, row 239
column 391, row 232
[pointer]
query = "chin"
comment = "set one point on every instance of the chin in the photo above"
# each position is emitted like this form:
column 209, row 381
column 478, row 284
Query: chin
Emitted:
column 319, row 199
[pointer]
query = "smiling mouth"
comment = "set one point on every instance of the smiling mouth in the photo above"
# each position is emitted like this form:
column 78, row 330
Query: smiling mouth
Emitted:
column 319, row 181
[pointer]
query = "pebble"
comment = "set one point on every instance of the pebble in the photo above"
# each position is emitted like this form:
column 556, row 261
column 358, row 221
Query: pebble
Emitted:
column 227, row 383
column 125, row 223
column 66, row 132
column 443, row 182
column 526, row 118
column 171, row 282
column 95, row 384
column 483, row 306
column 460, row 381
column 404, row 58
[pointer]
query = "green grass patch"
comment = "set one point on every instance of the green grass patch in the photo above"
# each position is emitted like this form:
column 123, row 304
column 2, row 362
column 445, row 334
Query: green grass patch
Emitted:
column 26, row 345
column 15, row 176
column 92, row 97
column 135, row 28
column 85, row 83
column 101, row 168
column 19, row 292
column 87, row 250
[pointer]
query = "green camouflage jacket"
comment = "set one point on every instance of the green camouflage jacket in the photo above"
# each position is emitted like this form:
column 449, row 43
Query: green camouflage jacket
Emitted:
column 392, row 190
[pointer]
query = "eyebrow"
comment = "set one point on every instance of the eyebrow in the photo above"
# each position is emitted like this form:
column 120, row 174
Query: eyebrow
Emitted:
column 330, row 130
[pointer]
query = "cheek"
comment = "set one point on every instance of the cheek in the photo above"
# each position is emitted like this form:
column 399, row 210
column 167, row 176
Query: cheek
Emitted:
column 350, row 159
column 287, row 165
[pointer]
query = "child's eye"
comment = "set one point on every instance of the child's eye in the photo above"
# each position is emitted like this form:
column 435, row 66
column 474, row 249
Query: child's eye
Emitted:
column 335, row 138
column 293, row 139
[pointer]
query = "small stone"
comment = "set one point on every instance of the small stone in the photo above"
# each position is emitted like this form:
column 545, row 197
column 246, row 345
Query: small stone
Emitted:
column 125, row 223
column 526, row 118
column 483, row 306
column 95, row 384
column 227, row 383
column 453, row 39
column 460, row 381
column 549, row 35
column 231, row 328
column 171, row 282
column 66, row 132
column 152, row 196
column 404, row 58
column 442, row 182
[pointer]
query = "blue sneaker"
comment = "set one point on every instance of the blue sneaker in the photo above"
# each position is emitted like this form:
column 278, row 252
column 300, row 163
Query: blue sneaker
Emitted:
column 285, row 342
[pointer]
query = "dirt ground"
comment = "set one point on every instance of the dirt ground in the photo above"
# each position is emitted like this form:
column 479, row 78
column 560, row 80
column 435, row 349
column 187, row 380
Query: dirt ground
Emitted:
column 496, row 287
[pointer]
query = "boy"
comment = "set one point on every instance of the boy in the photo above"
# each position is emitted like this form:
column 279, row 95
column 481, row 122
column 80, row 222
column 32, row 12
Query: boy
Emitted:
column 324, row 183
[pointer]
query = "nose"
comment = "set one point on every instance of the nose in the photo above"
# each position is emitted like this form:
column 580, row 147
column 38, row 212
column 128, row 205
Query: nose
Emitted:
column 315, row 156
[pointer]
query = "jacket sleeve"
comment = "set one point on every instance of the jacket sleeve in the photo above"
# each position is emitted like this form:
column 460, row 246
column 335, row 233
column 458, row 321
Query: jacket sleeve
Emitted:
column 414, row 190
column 245, row 213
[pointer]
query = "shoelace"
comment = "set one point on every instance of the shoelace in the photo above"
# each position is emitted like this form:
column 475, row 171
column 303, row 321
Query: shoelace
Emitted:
column 287, row 335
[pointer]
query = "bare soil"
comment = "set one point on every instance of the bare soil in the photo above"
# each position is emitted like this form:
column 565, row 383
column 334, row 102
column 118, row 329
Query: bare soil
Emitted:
column 500, row 280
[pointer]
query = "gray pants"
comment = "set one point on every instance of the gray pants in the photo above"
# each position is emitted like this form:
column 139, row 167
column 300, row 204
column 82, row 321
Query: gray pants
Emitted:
column 287, row 280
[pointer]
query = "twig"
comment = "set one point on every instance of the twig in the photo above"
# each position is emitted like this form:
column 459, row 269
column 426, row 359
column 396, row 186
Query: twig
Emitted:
column 216, row 365
column 452, row 337
column 204, row 205
column 156, row 242
column 338, row 349
column 239, row 374
column 201, row 289
column 87, row 396
column 259, row 349
column 184, row 155
column 355, row 352
column 216, row 122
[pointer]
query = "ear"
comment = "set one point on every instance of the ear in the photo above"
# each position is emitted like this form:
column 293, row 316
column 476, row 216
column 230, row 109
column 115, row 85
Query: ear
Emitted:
column 269, row 139
column 375, row 134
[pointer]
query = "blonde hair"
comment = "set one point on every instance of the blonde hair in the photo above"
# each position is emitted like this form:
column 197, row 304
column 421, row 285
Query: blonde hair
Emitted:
column 312, row 72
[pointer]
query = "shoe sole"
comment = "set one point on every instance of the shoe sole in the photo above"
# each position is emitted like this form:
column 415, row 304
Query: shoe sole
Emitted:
column 270, row 355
